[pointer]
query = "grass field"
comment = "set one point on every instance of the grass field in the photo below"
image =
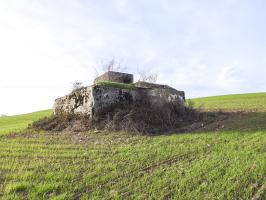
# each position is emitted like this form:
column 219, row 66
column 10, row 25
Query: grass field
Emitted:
column 226, row 164
column 237, row 102
column 19, row 122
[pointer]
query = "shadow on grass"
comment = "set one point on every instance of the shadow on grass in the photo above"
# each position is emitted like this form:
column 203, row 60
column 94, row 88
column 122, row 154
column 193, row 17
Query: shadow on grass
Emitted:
column 227, row 121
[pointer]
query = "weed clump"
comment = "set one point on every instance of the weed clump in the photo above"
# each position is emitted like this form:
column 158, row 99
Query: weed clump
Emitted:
column 142, row 117
column 62, row 121
column 145, row 118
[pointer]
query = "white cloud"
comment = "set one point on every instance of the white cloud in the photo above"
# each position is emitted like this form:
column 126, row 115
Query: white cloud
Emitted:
column 227, row 79
column 202, row 47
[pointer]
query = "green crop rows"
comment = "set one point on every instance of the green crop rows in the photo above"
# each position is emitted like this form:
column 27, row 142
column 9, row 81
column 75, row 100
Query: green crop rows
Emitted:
column 226, row 164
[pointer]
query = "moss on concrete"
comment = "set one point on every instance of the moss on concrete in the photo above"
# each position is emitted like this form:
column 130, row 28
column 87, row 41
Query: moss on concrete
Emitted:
column 116, row 85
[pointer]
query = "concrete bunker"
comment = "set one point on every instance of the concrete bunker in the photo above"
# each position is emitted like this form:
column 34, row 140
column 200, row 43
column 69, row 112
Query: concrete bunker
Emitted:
column 101, row 98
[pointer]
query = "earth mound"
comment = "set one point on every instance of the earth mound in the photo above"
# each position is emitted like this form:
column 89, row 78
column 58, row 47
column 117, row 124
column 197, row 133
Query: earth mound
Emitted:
column 142, row 118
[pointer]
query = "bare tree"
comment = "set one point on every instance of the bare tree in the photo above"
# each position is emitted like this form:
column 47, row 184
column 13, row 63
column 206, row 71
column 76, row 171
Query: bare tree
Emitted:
column 96, row 72
column 76, row 85
column 113, row 65
column 147, row 77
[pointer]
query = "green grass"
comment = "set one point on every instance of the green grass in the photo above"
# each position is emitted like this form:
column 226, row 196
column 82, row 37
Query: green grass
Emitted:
column 189, row 166
column 237, row 102
column 20, row 122
column 228, row 164
column 116, row 85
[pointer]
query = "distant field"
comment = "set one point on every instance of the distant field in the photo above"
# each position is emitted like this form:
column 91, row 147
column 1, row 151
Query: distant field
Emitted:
column 238, row 102
column 226, row 164
column 20, row 122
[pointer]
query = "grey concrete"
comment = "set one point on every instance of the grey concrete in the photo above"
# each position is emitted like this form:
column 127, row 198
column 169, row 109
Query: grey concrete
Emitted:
column 98, row 99
column 115, row 77
column 80, row 101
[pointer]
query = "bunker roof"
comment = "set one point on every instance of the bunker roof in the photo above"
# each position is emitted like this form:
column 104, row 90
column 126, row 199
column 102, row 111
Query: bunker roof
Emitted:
column 115, row 77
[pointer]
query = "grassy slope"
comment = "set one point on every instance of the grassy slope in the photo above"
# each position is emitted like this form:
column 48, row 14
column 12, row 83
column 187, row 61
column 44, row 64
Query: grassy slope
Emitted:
column 252, row 107
column 20, row 122
column 237, row 102
column 222, row 165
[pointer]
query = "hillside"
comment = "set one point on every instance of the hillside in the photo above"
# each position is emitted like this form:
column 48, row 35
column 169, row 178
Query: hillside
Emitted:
column 19, row 122
column 238, row 102
column 247, row 111
column 229, row 163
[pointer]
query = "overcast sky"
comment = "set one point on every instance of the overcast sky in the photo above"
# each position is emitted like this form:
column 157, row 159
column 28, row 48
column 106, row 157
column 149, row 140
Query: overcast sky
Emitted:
column 203, row 47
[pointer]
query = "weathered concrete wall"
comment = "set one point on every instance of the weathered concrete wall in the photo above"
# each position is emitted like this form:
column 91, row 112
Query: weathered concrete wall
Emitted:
column 164, row 92
column 106, row 98
column 80, row 101
column 101, row 99
column 115, row 77
column 160, row 96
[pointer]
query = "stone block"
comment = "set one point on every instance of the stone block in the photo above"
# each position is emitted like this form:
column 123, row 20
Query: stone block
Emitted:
column 115, row 77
